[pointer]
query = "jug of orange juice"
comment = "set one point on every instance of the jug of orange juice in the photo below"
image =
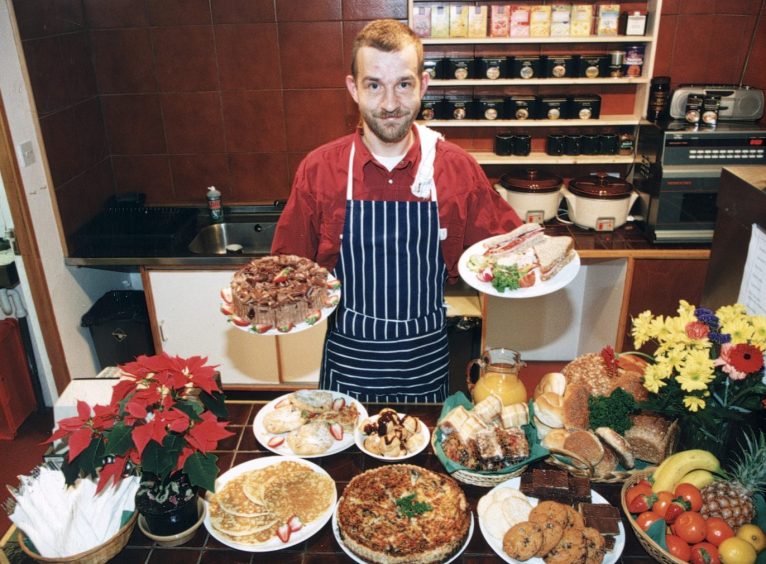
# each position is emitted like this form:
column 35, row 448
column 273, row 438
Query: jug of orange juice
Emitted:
column 498, row 374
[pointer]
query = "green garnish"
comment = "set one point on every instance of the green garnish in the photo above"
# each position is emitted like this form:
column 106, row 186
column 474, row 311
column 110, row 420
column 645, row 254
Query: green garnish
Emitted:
column 612, row 411
column 506, row 277
column 408, row 507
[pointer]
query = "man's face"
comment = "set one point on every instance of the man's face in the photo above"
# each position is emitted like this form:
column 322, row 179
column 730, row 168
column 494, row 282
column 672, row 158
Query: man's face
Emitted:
column 388, row 91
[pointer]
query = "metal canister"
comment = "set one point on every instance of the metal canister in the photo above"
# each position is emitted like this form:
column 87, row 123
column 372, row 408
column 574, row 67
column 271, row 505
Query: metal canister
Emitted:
column 693, row 112
column 710, row 105
column 634, row 60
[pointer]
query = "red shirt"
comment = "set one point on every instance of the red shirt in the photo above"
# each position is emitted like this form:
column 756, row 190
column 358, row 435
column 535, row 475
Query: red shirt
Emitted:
column 312, row 221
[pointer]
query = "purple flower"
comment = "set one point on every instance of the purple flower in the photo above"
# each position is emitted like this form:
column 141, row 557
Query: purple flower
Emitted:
column 707, row 317
column 720, row 338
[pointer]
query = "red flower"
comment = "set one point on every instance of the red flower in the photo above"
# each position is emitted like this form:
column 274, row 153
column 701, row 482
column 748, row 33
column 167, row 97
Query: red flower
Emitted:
column 746, row 358
column 697, row 330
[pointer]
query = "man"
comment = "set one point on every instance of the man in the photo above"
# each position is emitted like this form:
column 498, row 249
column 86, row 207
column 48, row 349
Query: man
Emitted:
column 389, row 209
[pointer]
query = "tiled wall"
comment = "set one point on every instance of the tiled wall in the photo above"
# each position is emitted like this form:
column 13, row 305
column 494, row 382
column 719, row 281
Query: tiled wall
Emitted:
column 167, row 97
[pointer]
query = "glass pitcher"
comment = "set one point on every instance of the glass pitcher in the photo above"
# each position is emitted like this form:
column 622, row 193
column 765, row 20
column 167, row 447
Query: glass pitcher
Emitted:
column 499, row 374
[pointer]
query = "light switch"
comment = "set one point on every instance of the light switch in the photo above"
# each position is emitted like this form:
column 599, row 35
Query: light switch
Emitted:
column 27, row 153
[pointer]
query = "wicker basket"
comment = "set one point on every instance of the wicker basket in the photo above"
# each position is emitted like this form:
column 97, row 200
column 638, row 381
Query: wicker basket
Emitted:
column 479, row 479
column 651, row 547
column 97, row 555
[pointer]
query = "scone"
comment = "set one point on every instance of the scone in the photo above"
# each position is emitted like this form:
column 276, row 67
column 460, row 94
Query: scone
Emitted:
column 312, row 401
column 312, row 438
column 283, row 420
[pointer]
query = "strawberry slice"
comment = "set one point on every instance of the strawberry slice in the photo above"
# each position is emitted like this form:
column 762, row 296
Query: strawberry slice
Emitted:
column 333, row 284
column 313, row 317
column 227, row 309
column 485, row 275
column 239, row 322
column 226, row 295
column 336, row 430
column 285, row 328
column 274, row 442
column 283, row 532
column 338, row 404
column 284, row 402
column 294, row 523
column 282, row 275
column 262, row 328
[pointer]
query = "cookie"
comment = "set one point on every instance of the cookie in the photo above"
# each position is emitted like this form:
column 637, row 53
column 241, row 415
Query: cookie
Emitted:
column 574, row 519
column 549, row 511
column 552, row 533
column 570, row 549
column 595, row 546
column 523, row 540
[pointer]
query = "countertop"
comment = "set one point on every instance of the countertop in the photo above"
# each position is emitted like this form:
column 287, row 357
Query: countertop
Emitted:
column 322, row 547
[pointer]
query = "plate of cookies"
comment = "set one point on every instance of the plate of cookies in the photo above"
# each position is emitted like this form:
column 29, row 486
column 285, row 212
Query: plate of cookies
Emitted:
column 523, row 528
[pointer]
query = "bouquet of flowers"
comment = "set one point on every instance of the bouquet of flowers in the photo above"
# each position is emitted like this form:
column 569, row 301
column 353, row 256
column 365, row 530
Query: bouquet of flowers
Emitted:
column 707, row 369
column 162, row 423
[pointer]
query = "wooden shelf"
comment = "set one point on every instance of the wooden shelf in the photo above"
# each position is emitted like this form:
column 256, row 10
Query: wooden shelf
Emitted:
column 611, row 120
column 486, row 158
column 538, row 81
column 538, row 40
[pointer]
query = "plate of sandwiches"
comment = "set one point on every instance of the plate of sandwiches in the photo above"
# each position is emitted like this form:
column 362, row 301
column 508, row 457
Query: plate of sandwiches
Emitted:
column 270, row 503
column 524, row 528
column 308, row 423
column 524, row 263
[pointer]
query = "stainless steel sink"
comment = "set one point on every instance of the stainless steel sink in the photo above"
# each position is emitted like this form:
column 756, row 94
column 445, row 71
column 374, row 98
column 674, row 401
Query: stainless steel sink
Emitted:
column 254, row 237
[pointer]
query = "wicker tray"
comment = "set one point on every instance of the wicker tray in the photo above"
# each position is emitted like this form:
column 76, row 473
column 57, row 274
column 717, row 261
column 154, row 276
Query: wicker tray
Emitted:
column 654, row 550
column 477, row 478
column 97, row 555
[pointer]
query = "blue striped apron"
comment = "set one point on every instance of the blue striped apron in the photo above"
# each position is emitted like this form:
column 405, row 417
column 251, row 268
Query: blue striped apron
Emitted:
column 388, row 341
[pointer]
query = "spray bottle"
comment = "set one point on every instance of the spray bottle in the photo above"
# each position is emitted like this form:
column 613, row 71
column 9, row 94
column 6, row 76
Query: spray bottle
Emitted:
column 214, row 205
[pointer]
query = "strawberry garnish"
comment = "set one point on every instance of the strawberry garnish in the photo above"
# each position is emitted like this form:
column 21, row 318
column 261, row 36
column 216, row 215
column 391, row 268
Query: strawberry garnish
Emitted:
column 283, row 532
column 294, row 523
column 338, row 404
column 336, row 430
column 274, row 442
column 226, row 295
column 239, row 322
column 226, row 309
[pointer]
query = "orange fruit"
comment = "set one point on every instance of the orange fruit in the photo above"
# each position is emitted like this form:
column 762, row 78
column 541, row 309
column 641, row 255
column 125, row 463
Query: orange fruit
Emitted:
column 737, row 551
column 754, row 535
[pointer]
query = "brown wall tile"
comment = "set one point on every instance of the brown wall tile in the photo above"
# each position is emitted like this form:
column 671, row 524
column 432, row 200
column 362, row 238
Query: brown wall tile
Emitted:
column 178, row 12
column 254, row 121
column 697, row 7
column 310, row 54
column 308, row 10
column 742, row 7
column 76, row 56
column 754, row 73
column 47, row 74
column 258, row 178
column 729, row 33
column 147, row 174
column 61, row 146
column 192, row 174
column 293, row 160
column 670, row 7
column 247, row 56
column 38, row 18
column 84, row 196
column 663, row 61
column 115, row 13
column 185, row 58
column 243, row 11
column 134, row 124
column 193, row 122
column 91, row 132
column 690, row 55
column 123, row 61
column 350, row 31
column 314, row 117
column 374, row 9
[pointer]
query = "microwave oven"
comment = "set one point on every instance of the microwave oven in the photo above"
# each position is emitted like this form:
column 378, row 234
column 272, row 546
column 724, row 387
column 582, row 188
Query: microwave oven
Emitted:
column 677, row 173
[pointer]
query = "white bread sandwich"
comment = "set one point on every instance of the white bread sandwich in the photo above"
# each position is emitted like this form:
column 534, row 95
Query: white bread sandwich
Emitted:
column 553, row 254
column 517, row 240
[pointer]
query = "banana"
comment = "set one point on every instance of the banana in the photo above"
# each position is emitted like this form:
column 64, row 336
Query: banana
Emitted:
column 680, row 464
column 698, row 478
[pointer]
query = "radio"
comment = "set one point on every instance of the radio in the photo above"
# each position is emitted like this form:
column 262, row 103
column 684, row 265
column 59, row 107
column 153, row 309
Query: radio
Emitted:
column 738, row 103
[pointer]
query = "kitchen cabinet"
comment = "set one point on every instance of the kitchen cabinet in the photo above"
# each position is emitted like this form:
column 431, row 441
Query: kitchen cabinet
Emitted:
column 623, row 105
column 185, row 314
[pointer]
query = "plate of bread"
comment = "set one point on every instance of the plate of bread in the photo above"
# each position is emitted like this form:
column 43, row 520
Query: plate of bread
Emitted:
column 607, row 449
column 524, row 263
column 308, row 423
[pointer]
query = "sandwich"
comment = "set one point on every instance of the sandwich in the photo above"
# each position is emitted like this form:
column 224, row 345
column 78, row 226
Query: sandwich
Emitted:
column 553, row 254
column 515, row 241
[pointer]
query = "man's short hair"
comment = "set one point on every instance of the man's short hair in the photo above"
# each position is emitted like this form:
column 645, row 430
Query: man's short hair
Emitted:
column 388, row 36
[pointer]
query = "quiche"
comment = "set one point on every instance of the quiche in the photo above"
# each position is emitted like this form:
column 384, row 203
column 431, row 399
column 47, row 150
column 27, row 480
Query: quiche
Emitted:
column 403, row 513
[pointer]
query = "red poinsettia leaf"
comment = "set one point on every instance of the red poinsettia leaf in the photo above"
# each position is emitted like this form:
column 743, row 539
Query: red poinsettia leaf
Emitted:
column 72, row 423
column 157, row 363
column 104, row 416
column 204, row 436
column 83, row 410
column 137, row 408
column 185, row 453
column 176, row 420
column 201, row 375
column 121, row 389
column 78, row 442
column 111, row 471
column 57, row 434
column 141, row 436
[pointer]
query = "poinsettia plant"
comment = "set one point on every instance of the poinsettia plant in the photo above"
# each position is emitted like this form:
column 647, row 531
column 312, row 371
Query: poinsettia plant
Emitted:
column 166, row 416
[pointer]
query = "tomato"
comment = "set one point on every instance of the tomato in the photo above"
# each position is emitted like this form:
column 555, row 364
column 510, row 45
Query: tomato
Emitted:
column 643, row 487
column 717, row 530
column 664, row 499
column 690, row 526
column 690, row 493
column 705, row 553
column 678, row 547
column 646, row 519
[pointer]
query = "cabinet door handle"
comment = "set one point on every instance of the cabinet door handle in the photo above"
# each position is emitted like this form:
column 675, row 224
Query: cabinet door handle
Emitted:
column 163, row 338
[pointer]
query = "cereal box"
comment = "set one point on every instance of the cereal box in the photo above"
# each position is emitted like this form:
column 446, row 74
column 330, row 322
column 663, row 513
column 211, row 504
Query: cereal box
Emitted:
column 519, row 20
column 560, row 19
column 581, row 20
column 499, row 21
column 540, row 21
column 458, row 20
column 608, row 19
column 477, row 21
column 421, row 20
column 439, row 20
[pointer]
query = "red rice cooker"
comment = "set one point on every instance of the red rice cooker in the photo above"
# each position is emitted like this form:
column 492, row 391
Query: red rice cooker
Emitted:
column 534, row 194
column 599, row 201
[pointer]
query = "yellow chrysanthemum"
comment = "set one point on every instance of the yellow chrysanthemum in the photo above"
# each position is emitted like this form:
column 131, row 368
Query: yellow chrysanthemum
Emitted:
column 654, row 379
column 759, row 331
column 693, row 403
column 726, row 314
column 739, row 328
column 641, row 326
column 685, row 309
column 693, row 377
column 699, row 359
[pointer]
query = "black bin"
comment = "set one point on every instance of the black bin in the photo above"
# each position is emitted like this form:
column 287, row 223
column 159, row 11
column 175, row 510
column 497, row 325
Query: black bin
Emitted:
column 119, row 326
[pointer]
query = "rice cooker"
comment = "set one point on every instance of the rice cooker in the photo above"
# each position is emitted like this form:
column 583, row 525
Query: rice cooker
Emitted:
column 599, row 201
column 534, row 194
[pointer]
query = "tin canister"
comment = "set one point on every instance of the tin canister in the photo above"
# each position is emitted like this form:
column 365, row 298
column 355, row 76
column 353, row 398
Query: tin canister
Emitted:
column 634, row 60
column 693, row 112
column 710, row 106
column 554, row 145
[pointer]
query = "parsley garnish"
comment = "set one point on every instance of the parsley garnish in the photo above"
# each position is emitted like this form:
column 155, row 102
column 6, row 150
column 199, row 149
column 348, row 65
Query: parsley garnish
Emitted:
column 612, row 411
column 506, row 277
column 408, row 507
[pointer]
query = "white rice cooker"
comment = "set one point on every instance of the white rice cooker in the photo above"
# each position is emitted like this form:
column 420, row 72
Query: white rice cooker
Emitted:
column 599, row 201
column 534, row 194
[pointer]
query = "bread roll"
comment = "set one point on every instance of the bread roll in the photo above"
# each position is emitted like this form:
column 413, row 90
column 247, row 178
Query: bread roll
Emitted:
column 542, row 428
column 555, row 439
column 608, row 463
column 621, row 447
column 652, row 437
column 554, row 382
column 548, row 408
column 586, row 445
column 515, row 415
column 575, row 413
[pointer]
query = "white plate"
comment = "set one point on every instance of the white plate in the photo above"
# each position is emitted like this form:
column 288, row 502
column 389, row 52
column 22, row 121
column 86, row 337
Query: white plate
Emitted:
column 355, row 558
column 564, row 277
column 263, row 435
column 326, row 311
column 306, row 532
column 359, row 437
column 610, row 557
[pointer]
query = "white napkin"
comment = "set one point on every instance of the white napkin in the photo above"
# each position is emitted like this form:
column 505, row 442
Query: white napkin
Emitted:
column 62, row 521
column 424, row 178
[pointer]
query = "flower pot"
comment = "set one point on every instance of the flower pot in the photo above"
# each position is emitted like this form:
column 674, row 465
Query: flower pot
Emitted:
column 164, row 520
column 176, row 539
